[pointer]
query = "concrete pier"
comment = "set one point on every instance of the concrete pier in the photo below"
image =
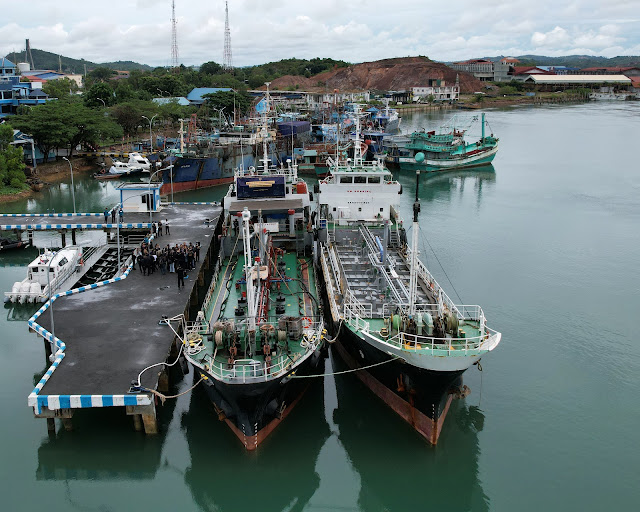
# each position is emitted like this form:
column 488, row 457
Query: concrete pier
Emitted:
column 110, row 333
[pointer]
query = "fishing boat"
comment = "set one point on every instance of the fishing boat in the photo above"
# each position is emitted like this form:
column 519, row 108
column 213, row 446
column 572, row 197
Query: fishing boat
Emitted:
column 448, row 149
column 260, row 328
column 395, row 324
column 47, row 274
column 10, row 243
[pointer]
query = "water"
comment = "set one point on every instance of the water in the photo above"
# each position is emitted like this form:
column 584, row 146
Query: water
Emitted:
column 548, row 244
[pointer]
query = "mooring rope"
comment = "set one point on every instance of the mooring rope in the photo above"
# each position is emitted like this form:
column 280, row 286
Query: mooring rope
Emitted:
column 344, row 371
column 165, row 397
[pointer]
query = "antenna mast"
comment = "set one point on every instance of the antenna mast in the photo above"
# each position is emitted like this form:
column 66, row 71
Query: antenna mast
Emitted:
column 174, row 37
column 227, row 61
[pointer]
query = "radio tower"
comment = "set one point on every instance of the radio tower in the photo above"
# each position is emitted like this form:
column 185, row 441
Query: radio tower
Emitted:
column 227, row 62
column 174, row 37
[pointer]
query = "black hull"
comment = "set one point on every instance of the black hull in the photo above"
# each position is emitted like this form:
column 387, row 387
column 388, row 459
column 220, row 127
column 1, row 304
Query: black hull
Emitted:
column 420, row 397
column 253, row 410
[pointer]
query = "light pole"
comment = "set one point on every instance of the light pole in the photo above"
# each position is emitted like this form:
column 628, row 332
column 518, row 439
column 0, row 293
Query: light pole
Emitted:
column 104, row 105
column 150, row 135
column 73, row 190
column 219, row 111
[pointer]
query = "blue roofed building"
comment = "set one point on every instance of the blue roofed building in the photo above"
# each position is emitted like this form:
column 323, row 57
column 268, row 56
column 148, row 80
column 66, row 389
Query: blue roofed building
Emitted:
column 195, row 97
column 14, row 93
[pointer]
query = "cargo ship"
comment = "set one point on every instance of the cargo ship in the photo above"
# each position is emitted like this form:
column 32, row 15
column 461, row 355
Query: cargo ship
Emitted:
column 394, row 324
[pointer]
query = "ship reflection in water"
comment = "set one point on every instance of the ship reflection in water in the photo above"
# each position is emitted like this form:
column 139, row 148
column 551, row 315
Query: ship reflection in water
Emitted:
column 282, row 475
column 398, row 470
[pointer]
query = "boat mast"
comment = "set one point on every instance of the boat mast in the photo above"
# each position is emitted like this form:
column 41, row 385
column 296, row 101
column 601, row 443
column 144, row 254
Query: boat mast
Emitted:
column 413, row 276
column 357, row 149
column 265, row 131
column 483, row 126
column 248, row 268
column 181, row 136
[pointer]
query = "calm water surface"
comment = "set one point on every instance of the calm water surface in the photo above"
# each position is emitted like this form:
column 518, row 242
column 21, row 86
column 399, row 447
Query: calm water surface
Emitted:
column 547, row 241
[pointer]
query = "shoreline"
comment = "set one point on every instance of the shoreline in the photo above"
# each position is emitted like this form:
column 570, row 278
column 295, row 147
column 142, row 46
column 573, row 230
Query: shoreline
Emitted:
column 49, row 173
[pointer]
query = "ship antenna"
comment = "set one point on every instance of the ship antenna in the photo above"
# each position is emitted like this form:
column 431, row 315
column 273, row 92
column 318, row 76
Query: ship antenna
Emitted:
column 265, row 158
column 413, row 276
column 174, row 38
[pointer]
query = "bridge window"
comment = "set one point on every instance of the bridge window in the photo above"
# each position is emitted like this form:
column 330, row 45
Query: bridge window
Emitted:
column 346, row 179
column 359, row 179
column 374, row 179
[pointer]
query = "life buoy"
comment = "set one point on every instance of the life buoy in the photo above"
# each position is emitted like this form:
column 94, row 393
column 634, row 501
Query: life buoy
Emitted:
column 306, row 322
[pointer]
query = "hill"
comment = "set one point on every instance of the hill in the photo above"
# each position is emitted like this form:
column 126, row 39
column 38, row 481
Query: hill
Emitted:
column 382, row 75
column 47, row 60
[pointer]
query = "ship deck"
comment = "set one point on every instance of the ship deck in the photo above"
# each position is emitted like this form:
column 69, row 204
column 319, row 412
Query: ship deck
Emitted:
column 297, row 277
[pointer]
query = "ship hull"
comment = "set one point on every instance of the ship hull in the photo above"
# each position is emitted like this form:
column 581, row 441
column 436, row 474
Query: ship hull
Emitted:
column 432, row 165
column 192, row 173
column 253, row 410
column 420, row 397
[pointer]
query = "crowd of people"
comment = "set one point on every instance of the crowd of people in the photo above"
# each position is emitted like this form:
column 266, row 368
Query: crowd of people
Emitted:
column 179, row 259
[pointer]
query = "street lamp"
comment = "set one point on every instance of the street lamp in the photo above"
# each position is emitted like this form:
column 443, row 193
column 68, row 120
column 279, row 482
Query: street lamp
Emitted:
column 219, row 111
column 150, row 135
column 104, row 105
column 149, row 198
column 73, row 191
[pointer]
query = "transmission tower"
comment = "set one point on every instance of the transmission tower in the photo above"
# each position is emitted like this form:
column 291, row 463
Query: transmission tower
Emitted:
column 227, row 61
column 174, row 37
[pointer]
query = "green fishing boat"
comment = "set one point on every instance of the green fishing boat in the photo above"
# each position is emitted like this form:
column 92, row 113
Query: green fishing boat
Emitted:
column 431, row 151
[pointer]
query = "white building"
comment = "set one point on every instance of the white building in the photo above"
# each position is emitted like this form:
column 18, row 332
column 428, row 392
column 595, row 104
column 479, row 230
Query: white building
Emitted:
column 438, row 89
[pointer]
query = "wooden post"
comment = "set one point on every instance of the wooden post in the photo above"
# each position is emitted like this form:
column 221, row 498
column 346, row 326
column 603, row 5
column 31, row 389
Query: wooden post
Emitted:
column 150, row 420
column 137, row 422
column 68, row 426
column 73, row 236
column 51, row 426
column 63, row 232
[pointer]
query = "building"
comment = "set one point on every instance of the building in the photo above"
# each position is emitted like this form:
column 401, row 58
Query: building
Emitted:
column 14, row 93
column 487, row 70
column 559, row 82
column 195, row 97
column 180, row 100
column 628, row 71
column 438, row 89
column 522, row 73
column 560, row 70
column 482, row 69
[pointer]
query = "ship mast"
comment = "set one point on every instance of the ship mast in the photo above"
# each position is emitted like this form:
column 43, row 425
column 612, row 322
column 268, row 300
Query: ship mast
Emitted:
column 357, row 149
column 248, row 269
column 265, row 130
column 413, row 276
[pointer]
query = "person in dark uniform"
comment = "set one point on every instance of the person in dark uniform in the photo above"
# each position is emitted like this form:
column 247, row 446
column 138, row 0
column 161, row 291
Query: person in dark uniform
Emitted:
column 180, row 272
column 113, row 215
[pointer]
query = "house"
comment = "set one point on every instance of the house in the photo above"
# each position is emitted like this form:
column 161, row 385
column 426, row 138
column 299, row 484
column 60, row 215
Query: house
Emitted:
column 14, row 93
column 180, row 100
column 522, row 73
column 486, row 70
column 438, row 89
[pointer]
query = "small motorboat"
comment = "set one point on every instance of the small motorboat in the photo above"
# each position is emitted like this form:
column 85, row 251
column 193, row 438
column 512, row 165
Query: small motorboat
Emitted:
column 8, row 243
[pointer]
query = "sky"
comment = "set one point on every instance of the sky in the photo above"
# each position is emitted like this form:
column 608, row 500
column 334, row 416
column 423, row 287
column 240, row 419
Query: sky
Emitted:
column 354, row 30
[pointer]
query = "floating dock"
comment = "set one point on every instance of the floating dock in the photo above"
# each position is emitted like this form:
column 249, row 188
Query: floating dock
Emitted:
column 106, row 333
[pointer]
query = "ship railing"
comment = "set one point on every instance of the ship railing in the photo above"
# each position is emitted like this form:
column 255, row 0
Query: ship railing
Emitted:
column 331, row 292
column 430, row 281
column 250, row 370
column 463, row 312
column 436, row 346
column 356, row 311
column 214, row 281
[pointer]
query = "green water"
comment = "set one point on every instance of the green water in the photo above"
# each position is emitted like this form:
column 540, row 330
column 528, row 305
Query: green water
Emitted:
column 548, row 244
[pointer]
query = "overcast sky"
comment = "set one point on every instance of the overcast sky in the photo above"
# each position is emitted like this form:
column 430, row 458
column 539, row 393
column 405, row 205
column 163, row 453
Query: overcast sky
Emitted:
column 354, row 30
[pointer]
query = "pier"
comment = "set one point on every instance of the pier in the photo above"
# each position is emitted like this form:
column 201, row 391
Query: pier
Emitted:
column 104, row 334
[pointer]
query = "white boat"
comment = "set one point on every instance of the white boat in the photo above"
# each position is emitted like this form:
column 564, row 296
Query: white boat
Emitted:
column 395, row 324
column 50, row 270
column 136, row 163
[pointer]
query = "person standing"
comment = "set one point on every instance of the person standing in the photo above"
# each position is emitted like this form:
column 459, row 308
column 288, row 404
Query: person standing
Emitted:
column 159, row 228
column 166, row 227
column 121, row 212
column 180, row 272
column 197, row 251
column 106, row 215
column 113, row 215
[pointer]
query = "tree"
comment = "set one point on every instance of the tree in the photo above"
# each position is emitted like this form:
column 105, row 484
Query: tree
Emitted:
column 11, row 160
column 98, row 95
column 101, row 74
column 210, row 68
column 129, row 114
column 227, row 99
column 89, row 126
column 47, row 125
column 172, row 111
column 60, row 88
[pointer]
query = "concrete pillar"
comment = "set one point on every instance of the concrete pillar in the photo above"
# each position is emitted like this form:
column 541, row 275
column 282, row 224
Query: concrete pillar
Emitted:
column 30, row 236
column 73, row 236
column 137, row 422
column 64, row 237
column 68, row 426
column 149, row 420
column 51, row 426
